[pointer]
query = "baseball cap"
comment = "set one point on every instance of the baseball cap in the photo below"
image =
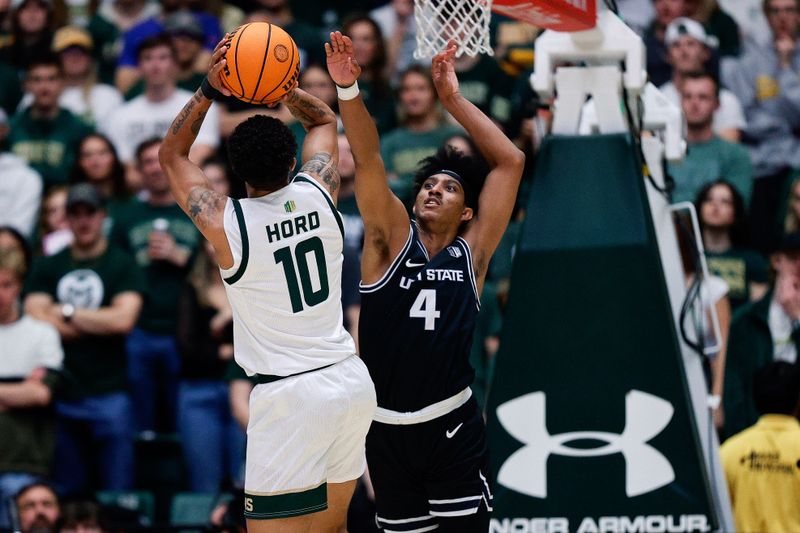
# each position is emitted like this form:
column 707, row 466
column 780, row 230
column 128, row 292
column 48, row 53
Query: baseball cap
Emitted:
column 184, row 23
column 683, row 26
column 86, row 194
column 71, row 36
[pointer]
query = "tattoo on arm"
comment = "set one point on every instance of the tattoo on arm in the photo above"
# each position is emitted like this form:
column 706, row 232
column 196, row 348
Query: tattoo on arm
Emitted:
column 198, row 122
column 322, row 165
column 308, row 112
column 184, row 115
column 203, row 205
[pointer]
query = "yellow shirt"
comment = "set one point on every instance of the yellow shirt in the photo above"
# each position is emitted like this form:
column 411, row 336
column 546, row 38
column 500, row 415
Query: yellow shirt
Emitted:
column 762, row 465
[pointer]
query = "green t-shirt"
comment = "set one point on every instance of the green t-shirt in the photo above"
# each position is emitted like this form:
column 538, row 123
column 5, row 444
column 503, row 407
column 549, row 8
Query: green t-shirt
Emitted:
column 233, row 372
column 132, row 227
column 738, row 267
column 107, row 47
column 709, row 161
column 503, row 259
column 114, row 206
column 403, row 149
column 724, row 28
column 309, row 39
column 49, row 146
column 381, row 106
column 351, row 218
column 93, row 364
column 347, row 206
column 488, row 87
column 488, row 324
column 10, row 88
column 27, row 435
column 300, row 136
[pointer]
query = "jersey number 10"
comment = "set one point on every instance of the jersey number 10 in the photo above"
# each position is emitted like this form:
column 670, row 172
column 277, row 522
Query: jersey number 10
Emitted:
column 296, row 266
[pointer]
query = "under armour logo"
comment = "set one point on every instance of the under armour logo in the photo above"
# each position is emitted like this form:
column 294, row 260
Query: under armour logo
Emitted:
column 525, row 470
column 455, row 252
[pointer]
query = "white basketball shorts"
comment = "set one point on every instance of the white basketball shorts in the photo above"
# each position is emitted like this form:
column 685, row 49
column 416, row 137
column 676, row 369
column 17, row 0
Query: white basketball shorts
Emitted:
column 306, row 431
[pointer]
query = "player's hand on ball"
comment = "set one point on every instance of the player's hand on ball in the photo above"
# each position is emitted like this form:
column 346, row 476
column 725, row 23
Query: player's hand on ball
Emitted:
column 217, row 63
column 444, row 72
column 342, row 67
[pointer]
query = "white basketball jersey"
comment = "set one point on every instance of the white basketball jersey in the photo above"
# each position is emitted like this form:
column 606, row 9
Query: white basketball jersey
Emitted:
column 285, row 283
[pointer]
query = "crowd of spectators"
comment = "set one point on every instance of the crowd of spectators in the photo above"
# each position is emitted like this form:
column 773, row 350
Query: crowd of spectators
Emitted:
column 114, row 325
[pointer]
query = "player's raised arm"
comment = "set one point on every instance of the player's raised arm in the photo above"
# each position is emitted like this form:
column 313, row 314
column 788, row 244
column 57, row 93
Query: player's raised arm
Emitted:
column 383, row 213
column 320, row 148
column 189, row 184
column 496, row 201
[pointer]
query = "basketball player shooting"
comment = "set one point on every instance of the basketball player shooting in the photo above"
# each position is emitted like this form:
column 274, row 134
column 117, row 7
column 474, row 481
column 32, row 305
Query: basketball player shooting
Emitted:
column 422, row 278
column 280, row 252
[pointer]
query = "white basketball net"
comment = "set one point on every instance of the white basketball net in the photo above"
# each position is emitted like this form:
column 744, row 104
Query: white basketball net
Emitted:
column 466, row 21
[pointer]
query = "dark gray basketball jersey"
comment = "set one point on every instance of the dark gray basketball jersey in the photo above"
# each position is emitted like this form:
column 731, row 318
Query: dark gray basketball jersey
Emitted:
column 416, row 325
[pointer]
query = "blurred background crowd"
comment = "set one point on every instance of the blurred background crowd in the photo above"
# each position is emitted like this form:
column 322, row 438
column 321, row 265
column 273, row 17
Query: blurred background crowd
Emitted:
column 120, row 404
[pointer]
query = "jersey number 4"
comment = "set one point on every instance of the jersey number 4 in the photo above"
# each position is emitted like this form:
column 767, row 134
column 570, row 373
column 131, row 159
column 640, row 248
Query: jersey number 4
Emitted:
column 296, row 266
column 425, row 307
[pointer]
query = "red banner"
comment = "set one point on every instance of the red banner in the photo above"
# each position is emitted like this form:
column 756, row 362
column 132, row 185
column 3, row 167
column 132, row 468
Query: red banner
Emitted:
column 558, row 15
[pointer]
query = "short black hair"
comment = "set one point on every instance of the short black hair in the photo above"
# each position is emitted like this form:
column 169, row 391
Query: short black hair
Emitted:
column 261, row 151
column 46, row 59
column 145, row 144
column 471, row 169
column 776, row 388
column 155, row 41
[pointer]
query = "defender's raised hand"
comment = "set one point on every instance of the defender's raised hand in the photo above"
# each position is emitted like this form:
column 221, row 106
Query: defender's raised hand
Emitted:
column 344, row 70
column 444, row 72
column 217, row 63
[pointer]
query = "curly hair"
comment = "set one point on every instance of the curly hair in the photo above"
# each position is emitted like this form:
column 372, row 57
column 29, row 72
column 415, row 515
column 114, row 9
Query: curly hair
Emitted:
column 261, row 152
column 471, row 169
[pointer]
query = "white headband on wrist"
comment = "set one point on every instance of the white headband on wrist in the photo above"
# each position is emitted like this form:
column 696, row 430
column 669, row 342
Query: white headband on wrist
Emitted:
column 347, row 93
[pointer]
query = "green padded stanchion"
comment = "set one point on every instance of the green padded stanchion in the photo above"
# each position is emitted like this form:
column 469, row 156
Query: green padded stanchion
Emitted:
column 590, row 422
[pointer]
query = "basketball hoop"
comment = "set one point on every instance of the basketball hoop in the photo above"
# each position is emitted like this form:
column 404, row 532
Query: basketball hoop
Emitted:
column 467, row 21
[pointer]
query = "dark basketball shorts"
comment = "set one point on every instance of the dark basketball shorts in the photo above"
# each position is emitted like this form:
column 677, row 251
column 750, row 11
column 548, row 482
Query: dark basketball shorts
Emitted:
column 426, row 472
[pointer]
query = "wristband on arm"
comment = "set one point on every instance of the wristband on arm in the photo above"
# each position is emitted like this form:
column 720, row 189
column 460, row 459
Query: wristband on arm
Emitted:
column 347, row 93
column 208, row 91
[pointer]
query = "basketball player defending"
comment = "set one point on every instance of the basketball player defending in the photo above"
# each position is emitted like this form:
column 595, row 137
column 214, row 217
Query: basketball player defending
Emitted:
column 280, row 252
column 420, row 295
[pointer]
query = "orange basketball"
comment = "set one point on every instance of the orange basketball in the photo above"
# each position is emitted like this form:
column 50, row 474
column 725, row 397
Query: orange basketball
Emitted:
column 263, row 63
